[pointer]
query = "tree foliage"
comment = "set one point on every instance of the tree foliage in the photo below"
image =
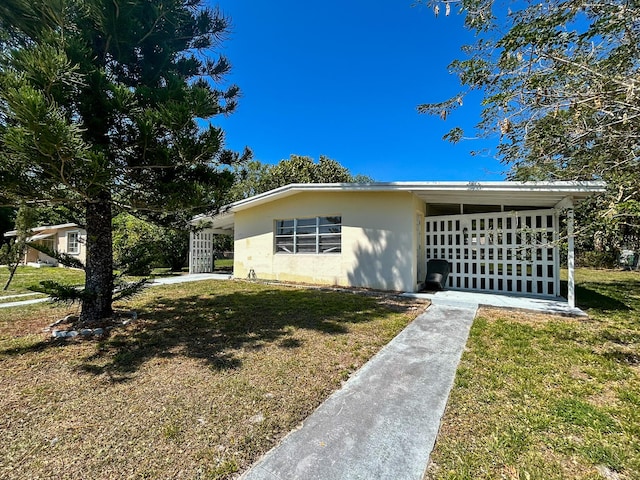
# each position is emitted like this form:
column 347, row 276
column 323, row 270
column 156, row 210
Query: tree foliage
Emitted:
column 12, row 253
column 561, row 86
column 104, row 106
column 134, row 247
column 256, row 177
column 7, row 219
column 139, row 246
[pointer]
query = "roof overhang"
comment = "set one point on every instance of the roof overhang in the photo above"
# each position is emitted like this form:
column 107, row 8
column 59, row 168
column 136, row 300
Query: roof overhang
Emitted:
column 529, row 194
column 44, row 228
column 40, row 236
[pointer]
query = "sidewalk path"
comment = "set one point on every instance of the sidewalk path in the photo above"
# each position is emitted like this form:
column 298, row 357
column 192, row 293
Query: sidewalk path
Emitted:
column 21, row 303
column 194, row 277
column 383, row 423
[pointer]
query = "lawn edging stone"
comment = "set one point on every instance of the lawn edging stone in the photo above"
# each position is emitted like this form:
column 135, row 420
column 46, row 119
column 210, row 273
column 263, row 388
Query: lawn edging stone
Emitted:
column 87, row 332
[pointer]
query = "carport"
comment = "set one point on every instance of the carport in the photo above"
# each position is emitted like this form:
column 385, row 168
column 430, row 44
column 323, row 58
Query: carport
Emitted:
column 504, row 237
column 499, row 237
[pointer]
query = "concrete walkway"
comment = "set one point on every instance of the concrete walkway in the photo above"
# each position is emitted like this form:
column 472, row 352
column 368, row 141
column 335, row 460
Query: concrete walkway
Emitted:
column 192, row 277
column 22, row 303
column 538, row 304
column 383, row 423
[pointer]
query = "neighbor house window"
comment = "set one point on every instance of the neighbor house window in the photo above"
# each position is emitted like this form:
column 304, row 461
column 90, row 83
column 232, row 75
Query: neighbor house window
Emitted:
column 309, row 235
column 47, row 243
column 73, row 243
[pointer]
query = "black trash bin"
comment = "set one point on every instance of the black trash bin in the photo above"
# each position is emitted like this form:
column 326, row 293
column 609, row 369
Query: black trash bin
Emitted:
column 437, row 273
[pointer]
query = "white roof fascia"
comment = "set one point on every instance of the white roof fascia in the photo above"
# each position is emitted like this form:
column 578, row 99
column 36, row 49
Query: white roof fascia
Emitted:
column 40, row 236
column 54, row 227
column 43, row 228
column 221, row 223
column 572, row 189
column 48, row 227
column 422, row 187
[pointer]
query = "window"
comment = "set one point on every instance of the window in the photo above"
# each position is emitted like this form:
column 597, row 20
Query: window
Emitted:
column 47, row 243
column 309, row 235
column 73, row 243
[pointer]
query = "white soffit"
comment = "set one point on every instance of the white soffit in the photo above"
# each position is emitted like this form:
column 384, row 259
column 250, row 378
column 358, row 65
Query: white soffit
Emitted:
column 523, row 194
column 44, row 228
column 538, row 194
column 40, row 236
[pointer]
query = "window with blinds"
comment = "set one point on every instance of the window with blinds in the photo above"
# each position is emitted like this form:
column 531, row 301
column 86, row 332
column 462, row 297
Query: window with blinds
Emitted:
column 309, row 235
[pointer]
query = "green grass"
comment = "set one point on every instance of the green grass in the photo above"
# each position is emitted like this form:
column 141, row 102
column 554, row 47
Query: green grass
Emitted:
column 210, row 377
column 27, row 277
column 541, row 397
column 224, row 263
column 215, row 373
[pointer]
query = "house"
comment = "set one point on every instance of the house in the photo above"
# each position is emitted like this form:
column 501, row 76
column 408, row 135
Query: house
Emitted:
column 66, row 238
column 500, row 237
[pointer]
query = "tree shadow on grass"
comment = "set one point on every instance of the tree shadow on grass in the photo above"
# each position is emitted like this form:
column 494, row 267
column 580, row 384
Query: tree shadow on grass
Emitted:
column 606, row 297
column 614, row 300
column 623, row 357
column 215, row 328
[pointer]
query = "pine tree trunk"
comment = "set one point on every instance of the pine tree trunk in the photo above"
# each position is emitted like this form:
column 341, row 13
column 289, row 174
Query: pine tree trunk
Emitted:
column 15, row 256
column 12, row 272
column 99, row 263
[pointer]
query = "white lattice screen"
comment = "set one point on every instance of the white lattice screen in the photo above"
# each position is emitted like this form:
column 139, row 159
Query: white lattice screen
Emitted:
column 201, row 260
column 498, row 252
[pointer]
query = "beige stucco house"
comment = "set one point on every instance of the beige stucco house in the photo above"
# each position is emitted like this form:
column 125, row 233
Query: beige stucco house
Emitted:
column 500, row 237
column 66, row 238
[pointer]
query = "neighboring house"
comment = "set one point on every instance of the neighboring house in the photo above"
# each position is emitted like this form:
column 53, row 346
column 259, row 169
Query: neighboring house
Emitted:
column 67, row 238
column 500, row 237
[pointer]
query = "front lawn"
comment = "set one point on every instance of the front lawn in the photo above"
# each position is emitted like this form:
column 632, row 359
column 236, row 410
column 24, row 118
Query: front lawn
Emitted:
column 27, row 277
column 542, row 397
column 210, row 376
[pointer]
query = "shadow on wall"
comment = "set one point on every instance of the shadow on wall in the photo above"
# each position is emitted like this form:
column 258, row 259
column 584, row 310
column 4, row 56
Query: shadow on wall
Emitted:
column 384, row 261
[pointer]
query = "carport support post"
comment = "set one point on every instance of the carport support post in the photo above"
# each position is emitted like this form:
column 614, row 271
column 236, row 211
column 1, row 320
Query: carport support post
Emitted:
column 571, row 294
column 191, row 247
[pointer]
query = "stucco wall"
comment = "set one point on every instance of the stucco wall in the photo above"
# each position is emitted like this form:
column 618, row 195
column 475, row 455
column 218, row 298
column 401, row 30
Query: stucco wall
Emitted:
column 378, row 240
column 420, row 260
column 82, row 238
column 59, row 244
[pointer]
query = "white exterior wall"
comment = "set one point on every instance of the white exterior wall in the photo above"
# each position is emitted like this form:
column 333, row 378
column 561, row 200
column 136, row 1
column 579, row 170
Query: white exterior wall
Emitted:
column 420, row 260
column 82, row 239
column 59, row 238
column 379, row 240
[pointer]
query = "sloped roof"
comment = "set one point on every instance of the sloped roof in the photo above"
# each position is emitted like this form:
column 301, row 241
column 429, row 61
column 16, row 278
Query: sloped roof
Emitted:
column 44, row 228
column 534, row 194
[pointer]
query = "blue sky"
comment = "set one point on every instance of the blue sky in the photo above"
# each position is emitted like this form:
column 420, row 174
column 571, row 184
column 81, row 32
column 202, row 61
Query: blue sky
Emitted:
column 343, row 79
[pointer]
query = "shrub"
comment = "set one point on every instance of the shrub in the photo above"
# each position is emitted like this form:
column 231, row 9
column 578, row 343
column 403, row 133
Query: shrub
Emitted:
column 593, row 259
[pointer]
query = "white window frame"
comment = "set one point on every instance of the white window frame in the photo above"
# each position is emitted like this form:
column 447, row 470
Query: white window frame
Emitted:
column 308, row 223
column 76, row 250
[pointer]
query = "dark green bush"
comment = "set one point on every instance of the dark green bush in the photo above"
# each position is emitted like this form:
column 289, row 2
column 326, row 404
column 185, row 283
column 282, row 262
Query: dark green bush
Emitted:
column 593, row 259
